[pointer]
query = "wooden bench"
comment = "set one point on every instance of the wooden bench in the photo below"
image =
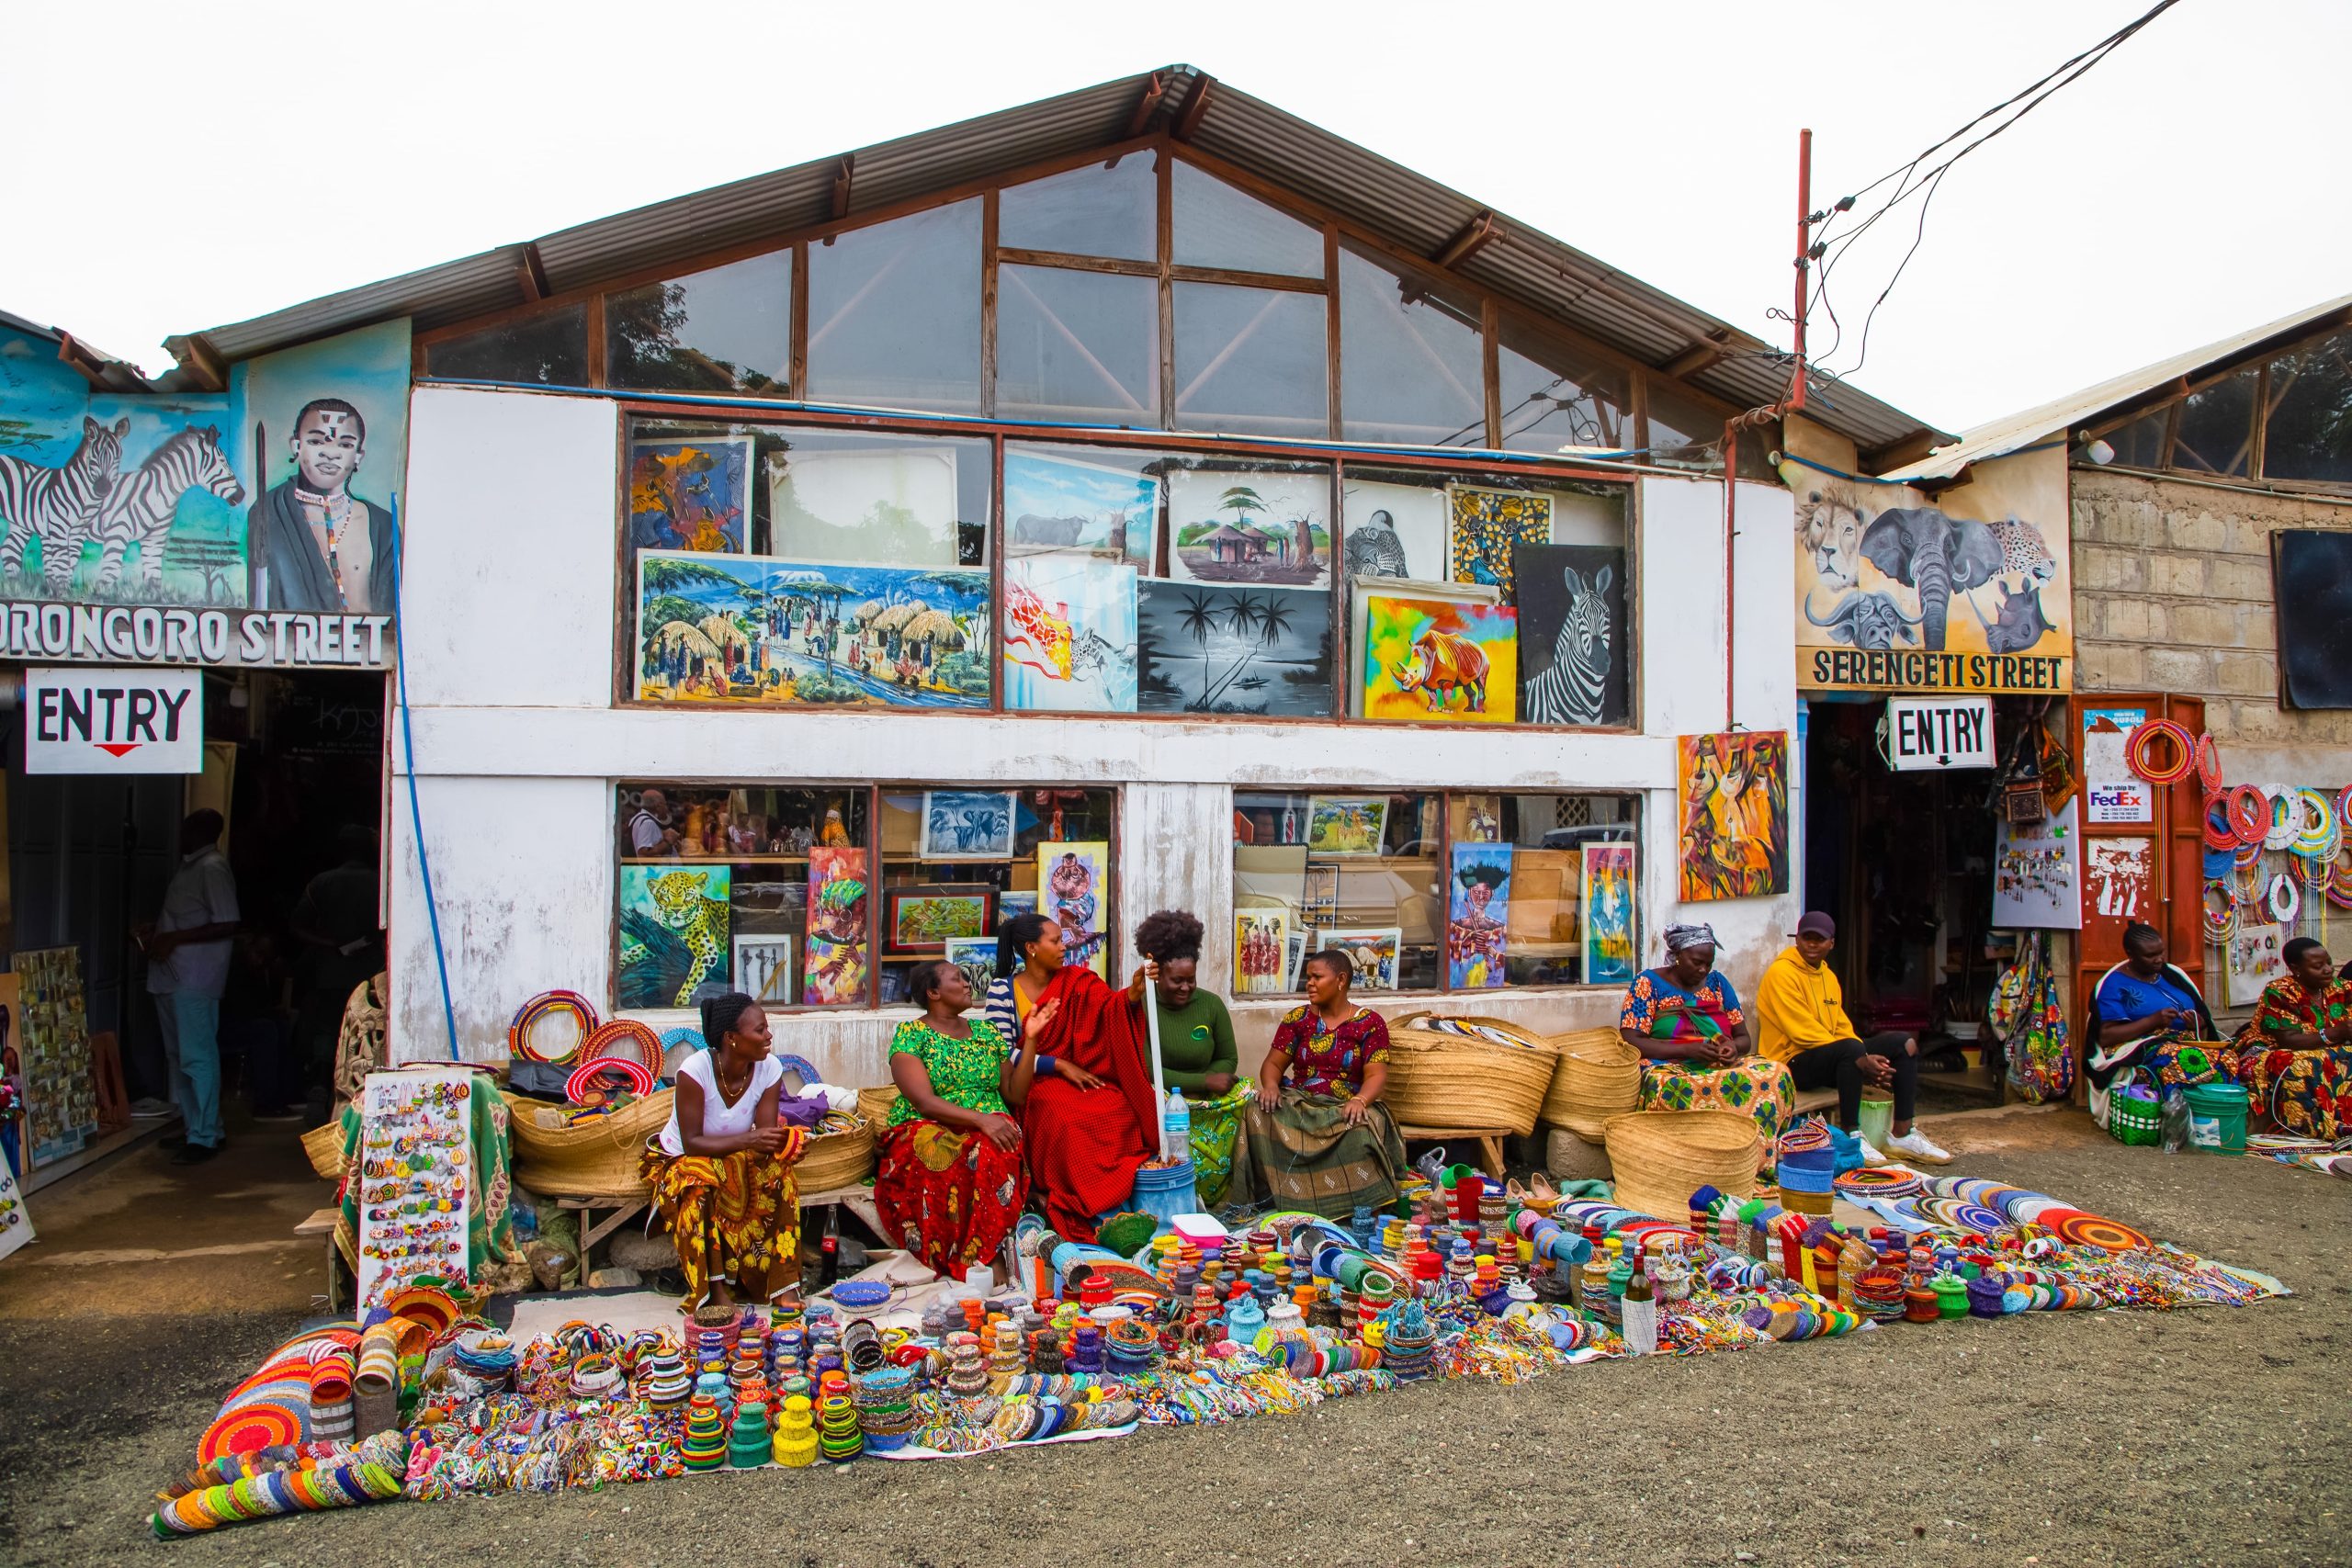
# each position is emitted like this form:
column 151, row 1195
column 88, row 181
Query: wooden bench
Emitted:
column 322, row 1223
column 1489, row 1141
column 858, row 1200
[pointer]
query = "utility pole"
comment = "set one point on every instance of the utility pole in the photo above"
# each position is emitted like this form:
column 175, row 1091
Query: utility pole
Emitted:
column 1805, row 261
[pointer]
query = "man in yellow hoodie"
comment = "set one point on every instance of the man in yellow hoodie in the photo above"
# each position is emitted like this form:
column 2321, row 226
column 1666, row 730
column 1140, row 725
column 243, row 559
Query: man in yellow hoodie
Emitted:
column 1800, row 1020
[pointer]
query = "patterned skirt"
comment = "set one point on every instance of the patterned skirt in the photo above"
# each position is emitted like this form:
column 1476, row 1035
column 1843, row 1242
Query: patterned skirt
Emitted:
column 1306, row 1156
column 2308, row 1094
column 948, row 1194
column 1216, row 1132
column 1756, row 1087
column 733, row 1216
column 2177, row 1062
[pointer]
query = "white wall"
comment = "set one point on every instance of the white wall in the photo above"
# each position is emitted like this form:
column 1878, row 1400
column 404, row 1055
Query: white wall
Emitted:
column 513, row 600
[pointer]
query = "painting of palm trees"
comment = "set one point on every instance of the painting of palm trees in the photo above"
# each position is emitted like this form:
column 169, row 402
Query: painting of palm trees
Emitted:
column 1203, row 649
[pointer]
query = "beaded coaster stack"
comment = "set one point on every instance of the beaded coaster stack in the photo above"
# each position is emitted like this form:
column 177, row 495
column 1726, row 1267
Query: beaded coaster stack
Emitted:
column 885, row 1407
column 967, row 1375
column 796, row 1435
column 838, row 1436
column 705, row 1443
column 747, row 1440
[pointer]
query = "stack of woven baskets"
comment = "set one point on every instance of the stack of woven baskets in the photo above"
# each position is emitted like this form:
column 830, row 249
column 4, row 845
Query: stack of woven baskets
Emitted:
column 1599, row 1075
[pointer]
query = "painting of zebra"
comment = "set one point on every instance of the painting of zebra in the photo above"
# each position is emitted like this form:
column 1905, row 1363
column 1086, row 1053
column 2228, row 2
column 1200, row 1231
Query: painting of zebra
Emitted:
column 1572, row 634
column 58, row 505
column 143, row 507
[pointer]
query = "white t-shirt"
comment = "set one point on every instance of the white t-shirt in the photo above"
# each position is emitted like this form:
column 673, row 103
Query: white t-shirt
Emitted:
column 202, row 892
column 719, row 1119
column 644, row 832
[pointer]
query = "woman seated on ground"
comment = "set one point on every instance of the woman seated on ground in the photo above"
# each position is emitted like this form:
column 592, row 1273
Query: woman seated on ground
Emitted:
column 722, row 1171
column 2150, row 1015
column 1093, row 1118
column 1320, row 1138
column 1686, row 1021
column 952, row 1181
column 2295, row 1054
column 1800, row 1022
column 1197, row 1052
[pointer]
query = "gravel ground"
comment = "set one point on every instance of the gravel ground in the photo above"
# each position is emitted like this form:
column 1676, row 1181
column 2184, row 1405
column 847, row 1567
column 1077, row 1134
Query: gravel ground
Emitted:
column 2191, row 1437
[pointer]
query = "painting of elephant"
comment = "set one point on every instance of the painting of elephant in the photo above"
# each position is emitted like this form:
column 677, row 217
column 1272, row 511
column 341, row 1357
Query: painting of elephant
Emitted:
column 1935, row 556
column 1870, row 620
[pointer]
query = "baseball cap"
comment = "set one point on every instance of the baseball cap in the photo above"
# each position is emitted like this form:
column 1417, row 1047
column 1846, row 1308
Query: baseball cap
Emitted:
column 1815, row 923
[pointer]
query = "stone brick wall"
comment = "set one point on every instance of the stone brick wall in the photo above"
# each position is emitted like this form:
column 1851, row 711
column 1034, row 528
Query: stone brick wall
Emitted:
column 2173, row 593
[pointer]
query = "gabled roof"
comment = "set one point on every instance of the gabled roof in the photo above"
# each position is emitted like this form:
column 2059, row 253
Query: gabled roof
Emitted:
column 102, row 371
column 2090, row 405
column 1384, row 197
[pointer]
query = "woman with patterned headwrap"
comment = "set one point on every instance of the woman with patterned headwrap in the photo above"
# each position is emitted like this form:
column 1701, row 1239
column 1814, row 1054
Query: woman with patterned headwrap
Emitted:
column 1697, row 1055
column 721, row 1170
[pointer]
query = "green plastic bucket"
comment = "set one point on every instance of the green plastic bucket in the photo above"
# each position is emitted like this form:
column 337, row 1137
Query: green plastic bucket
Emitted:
column 2217, row 1118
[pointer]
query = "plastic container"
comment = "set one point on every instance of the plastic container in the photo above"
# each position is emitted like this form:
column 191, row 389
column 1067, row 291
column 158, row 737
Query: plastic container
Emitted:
column 1165, row 1194
column 2217, row 1118
column 1876, row 1122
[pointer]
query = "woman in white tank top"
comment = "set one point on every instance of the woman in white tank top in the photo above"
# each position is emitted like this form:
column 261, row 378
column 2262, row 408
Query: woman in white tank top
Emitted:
column 721, row 1170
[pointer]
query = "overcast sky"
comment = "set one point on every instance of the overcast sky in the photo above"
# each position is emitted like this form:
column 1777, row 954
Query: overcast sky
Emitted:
column 178, row 166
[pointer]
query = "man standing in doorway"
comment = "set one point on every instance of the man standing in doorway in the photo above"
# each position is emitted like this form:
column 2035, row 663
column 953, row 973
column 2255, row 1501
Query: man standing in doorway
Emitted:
column 188, row 968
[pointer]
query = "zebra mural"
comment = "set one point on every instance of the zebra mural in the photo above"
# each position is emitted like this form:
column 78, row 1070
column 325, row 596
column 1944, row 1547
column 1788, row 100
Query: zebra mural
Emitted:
column 59, row 505
column 1571, row 690
column 141, row 509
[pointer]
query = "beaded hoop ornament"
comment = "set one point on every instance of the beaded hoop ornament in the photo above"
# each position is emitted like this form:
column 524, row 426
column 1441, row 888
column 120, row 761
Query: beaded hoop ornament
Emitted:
column 2138, row 751
column 2318, row 831
column 624, row 1038
column 2209, row 764
column 591, row 1081
column 2286, row 900
column 2249, row 815
column 2286, row 819
column 2220, row 834
column 521, row 1034
column 2219, row 927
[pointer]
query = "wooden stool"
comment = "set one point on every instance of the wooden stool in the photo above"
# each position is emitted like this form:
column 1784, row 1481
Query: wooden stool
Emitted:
column 1489, row 1139
column 322, row 1223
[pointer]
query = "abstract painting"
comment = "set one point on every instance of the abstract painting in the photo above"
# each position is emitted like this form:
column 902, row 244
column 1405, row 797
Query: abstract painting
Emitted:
column 764, row 969
column 1488, row 526
column 674, row 925
column 923, row 919
column 1203, row 649
column 1429, row 659
column 1394, row 531
column 691, row 495
column 1606, row 897
column 1266, row 528
column 836, row 961
column 966, row 824
column 1372, row 950
column 879, row 504
column 1070, row 635
column 1345, row 824
column 1058, row 503
column 1261, row 940
column 1572, row 634
column 1734, row 802
column 1076, row 879
column 1477, row 915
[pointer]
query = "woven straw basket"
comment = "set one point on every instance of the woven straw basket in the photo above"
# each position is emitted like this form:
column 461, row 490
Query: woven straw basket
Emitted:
column 875, row 1104
column 325, row 1146
column 597, row 1159
column 840, row 1155
column 1599, row 1077
column 1436, row 1079
column 1661, row 1157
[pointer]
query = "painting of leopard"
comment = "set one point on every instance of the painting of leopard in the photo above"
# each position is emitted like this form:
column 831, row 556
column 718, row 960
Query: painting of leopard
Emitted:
column 2023, row 554
column 679, row 897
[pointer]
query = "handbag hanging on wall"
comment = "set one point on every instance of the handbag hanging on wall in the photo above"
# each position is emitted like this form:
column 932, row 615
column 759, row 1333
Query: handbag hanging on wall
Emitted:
column 2018, row 796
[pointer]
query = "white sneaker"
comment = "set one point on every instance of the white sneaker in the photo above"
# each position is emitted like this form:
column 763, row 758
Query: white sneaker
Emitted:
column 149, row 1109
column 1917, row 1144
column 1870, row 1153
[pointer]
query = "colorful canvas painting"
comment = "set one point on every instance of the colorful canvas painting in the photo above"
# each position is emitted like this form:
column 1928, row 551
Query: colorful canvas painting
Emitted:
column 1477, row 915
column 967, row 824
column 975, row 956
column 1010, row 904
column 714, row 628
column 835, row 965
column 1273, row 529
column 764, row 969
column 52, row 1042
column 1487, row 526
column 1070, row 635
column 674, row 929
column 882, row 503
column 691, row 495
column 1203, row 649
column 1372, row 950
column 1058, row 503
column 1572, row 637
column 1261, row 945
column 1426, row 658
column 1606, row 897
column 1345, row 824
column 1075, row 881
column 1735, row 830
column 1394, row 531
column 923, row 919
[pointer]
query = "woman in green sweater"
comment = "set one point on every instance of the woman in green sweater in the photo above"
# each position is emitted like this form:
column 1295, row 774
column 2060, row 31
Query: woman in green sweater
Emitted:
column 1197, row 1051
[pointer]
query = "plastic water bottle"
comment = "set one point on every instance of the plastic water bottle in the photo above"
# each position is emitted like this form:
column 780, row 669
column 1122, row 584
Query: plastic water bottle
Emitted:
column 2176, row 1122
column 1175, row 1126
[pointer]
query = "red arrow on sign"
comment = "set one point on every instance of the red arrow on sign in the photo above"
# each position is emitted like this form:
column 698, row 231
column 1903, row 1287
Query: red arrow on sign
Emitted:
column 118, row 749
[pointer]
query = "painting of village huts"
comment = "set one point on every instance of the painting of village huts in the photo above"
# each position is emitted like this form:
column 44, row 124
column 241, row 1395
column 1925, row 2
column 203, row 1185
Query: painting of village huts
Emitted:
column 732, row 629
column 1255, row 527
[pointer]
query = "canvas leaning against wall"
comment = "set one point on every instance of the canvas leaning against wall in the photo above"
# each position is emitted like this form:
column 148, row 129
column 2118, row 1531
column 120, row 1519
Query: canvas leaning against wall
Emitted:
column 1735, row 801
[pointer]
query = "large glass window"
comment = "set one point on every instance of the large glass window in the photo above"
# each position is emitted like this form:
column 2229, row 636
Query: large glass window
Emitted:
column 1412, row 358
column 2308, row 434
column 1554, row 398
column 549, row 348
column 2141, row 443
column 1213, row 225
column 724, row 329
column 1251, row 361
column 894, row 313
column 1683, row 433
column 1091, row 211
column 2216, row 431
column 1456, row 891
column 1076, row 346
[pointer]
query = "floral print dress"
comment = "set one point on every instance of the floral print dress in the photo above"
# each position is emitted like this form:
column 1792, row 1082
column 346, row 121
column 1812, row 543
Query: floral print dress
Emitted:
column 1756, row 1087
column 2305, row 1090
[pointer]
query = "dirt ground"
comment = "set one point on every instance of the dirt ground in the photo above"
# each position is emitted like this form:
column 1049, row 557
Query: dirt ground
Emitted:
column 2193, row 1437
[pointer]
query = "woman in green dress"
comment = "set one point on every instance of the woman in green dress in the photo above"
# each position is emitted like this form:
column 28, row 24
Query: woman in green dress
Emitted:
column 1197, row 1052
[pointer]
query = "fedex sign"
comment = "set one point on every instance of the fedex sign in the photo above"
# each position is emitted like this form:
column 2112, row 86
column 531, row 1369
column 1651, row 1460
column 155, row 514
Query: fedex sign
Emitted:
column 101, row 720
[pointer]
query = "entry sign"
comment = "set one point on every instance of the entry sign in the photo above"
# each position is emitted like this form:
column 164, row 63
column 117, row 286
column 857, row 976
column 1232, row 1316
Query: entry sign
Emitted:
column 95, row 719
column 1931, row 733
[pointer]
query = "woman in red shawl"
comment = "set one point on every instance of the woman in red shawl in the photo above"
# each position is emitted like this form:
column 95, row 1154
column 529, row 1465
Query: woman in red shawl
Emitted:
column 1090, row 1119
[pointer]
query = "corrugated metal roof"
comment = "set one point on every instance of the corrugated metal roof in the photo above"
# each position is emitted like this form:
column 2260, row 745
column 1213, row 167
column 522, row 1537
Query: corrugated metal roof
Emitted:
column 1382, row 197
column 2012, row 432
